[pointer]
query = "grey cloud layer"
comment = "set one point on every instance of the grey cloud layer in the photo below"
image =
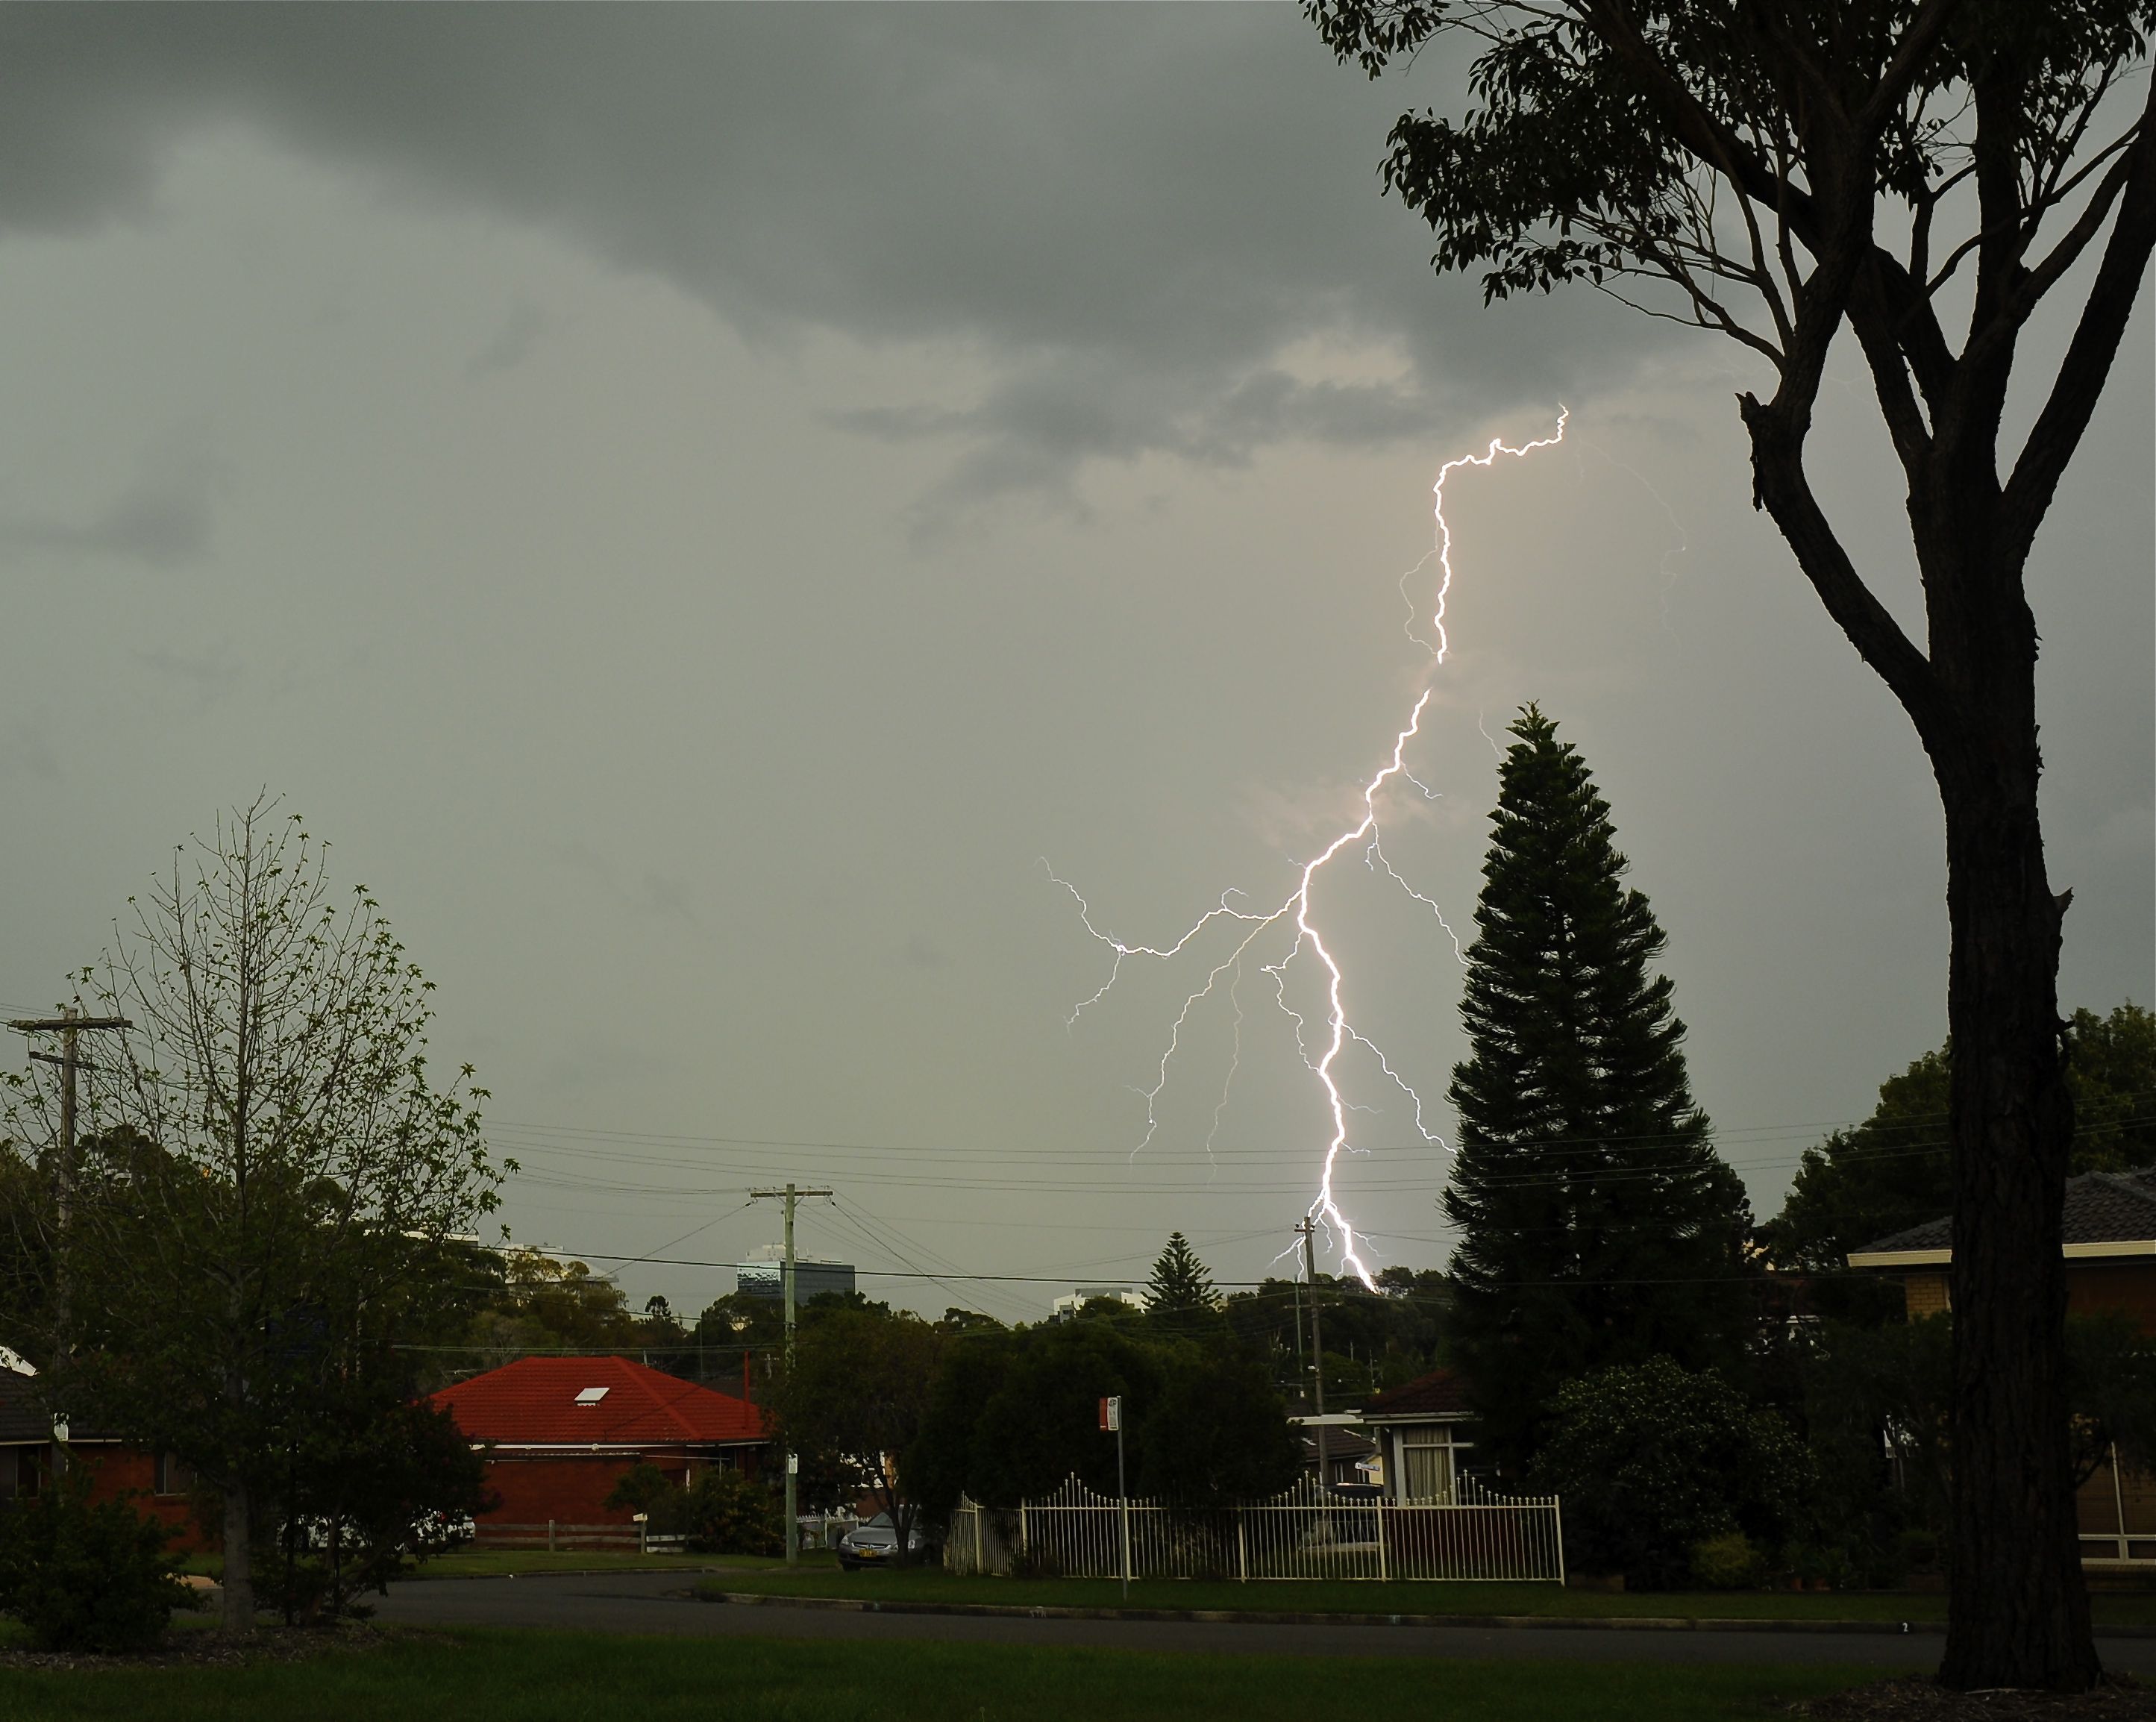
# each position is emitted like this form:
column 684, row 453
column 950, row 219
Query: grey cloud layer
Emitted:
column 163, row 520
column 1126, row 212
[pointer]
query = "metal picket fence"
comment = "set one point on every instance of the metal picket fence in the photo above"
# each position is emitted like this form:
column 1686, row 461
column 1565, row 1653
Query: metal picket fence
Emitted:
column 1309, row 1531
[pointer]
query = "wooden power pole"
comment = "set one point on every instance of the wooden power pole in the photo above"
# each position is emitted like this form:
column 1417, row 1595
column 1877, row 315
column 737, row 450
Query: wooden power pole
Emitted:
column 69, row 1025
column 790, row 1194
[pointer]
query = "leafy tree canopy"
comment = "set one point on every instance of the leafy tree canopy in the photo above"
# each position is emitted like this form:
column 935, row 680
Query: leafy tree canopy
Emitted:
column 858, row 1386
column 1893, row 1171
column 268, row 1174
column 1015, row 1414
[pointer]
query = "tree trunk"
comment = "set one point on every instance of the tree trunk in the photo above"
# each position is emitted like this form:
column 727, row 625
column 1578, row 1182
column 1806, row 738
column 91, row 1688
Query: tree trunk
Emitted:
column 239, row 1617
column 2019, row 1612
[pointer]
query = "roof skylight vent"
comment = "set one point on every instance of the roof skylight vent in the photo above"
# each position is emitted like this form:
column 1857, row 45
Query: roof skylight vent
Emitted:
column 593, row 1395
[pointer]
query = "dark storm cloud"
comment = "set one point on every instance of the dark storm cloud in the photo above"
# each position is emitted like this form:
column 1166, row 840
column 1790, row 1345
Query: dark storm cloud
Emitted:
column 1126, row 212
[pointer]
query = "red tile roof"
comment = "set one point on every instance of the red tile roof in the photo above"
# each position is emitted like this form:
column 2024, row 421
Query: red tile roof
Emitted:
column 1440, row 1393
column 533, row 1402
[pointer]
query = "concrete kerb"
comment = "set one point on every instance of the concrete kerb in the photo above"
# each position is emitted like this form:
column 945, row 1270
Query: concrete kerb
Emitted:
column 1283, row 1617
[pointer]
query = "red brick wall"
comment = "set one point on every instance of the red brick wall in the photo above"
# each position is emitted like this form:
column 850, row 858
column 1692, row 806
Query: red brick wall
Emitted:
column 115, row 1471
column 571, row 1488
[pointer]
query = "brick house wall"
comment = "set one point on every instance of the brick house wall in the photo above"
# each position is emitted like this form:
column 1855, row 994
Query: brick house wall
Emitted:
column 115, row 1474
column 571, row 1488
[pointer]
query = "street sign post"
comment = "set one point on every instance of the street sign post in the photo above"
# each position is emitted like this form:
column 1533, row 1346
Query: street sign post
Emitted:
column 1111, row 1417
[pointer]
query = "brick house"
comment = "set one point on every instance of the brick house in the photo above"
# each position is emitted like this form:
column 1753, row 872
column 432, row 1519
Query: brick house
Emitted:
column 2109, row 1234
column 157, row 1485
column 1422, row 1431
column 561, row 1432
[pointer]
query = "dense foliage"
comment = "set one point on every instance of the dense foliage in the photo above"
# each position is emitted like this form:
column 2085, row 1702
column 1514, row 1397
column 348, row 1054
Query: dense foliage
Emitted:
column 1015, row 1414
column 1654, row 1461
column 724, row 1511
column 537, row 1302
column 857, row 1385
column 1892, row 1171
column 1373, row 1339
column 1599, row 1226
column 87, row 1578
column 373, row 1482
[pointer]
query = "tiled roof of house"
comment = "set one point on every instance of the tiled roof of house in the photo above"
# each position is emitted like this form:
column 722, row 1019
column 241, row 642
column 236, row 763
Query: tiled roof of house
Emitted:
column 610, row 1401
column 1440, row 1393
column 1341, row 1444
column 2101, row 1208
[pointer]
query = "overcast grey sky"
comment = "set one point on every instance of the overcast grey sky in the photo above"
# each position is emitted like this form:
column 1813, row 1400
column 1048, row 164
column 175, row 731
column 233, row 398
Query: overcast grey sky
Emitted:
column 698, row 504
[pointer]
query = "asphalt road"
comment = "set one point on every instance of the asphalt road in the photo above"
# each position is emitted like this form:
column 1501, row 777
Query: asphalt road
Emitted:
column 658, row 1603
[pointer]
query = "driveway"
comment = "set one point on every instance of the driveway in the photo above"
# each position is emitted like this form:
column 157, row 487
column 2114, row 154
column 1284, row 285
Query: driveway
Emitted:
column 658, row 1603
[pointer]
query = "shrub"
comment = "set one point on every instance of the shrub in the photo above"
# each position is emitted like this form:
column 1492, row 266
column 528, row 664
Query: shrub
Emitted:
column 86, row 1578
column 1652, row 1461
column 1727, row 1562
column 644, row 1487
column 725, row 1512
column 731, row 1513
column 371, row 1490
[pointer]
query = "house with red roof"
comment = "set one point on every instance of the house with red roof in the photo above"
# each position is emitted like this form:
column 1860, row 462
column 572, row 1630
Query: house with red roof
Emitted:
column 561, row 1431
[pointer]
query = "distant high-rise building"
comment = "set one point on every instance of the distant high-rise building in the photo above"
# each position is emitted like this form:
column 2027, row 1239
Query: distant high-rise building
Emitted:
column 1067, row 1308
column 763, row 1275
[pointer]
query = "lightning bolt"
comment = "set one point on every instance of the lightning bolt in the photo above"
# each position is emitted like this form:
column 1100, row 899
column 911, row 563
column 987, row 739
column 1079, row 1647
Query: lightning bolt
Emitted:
column 1296, row 913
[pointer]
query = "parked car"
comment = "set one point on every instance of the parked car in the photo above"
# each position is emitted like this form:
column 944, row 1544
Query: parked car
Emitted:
column 875, row 1542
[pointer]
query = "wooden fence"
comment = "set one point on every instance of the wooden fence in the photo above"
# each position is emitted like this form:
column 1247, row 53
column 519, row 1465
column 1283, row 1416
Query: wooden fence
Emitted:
column 1308, row 1532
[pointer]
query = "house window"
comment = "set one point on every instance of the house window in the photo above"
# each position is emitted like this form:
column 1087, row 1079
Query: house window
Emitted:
column 174, row 1476
column 1428, row 1459
column 29, row 1470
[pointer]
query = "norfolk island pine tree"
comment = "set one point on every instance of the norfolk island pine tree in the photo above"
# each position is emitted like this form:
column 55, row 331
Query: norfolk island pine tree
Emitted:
column 1179, row 1284
column 1599, row 1226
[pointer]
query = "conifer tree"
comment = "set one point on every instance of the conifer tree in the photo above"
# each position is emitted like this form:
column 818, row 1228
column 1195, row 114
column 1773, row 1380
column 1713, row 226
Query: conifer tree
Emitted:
column 1598, row 1224
column 1180, row 1285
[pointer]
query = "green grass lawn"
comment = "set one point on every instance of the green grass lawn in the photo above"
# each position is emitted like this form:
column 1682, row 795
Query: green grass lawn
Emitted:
column 501, row 1563
column 932, row 1585
column 559, row 1677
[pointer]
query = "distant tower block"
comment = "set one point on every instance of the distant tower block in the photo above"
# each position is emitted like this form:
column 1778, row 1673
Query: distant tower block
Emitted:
column 760, row 1276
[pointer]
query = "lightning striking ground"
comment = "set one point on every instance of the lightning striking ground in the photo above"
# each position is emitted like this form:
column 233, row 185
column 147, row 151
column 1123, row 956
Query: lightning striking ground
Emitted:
column 1297, row 913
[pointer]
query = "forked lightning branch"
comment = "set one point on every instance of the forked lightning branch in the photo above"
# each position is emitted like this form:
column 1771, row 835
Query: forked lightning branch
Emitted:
column 1295, row 927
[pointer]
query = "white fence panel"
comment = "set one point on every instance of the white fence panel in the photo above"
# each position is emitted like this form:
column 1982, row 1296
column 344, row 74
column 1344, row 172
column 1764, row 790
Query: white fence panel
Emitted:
column 1309, row 1531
